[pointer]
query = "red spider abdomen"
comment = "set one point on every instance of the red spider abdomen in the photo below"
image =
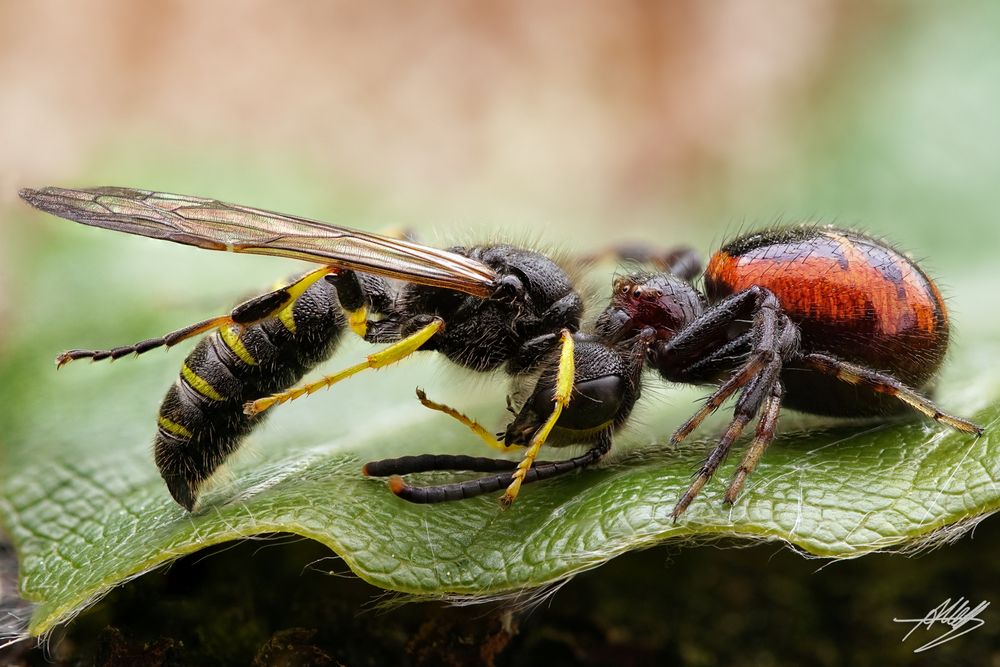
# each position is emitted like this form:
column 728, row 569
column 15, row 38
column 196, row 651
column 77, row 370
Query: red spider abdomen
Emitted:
column 851, row 295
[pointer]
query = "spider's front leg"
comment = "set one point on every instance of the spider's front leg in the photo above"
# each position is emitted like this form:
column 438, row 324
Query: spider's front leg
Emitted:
column 702, row 345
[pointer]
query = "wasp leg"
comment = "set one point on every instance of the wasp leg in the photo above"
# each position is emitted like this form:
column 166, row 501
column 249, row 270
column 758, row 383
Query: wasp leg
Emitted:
column 886, row 384
column 477, row 487
column 470, row 423
column 564, row 389
column 763, row 437
column 273, row 303
column 405, row 465
column 390, row 355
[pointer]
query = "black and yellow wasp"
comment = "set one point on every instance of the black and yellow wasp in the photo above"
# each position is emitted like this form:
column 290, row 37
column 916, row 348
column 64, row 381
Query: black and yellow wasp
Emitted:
column 484, row 307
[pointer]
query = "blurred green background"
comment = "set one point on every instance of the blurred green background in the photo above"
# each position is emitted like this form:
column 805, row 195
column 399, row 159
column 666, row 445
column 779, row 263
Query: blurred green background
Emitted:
column 574, row 124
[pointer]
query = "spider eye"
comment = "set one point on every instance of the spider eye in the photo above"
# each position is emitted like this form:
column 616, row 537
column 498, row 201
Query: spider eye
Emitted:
column 624, row 287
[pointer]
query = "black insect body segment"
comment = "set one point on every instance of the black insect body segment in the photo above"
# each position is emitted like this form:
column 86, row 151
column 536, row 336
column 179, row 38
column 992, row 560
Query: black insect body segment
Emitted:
column 202, row 421
column 534, row 297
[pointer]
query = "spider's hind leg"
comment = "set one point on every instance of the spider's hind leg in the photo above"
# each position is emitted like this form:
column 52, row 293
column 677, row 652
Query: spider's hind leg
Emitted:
column 884, row 383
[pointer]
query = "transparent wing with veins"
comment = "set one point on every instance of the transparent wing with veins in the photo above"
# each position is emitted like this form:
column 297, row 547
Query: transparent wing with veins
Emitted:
column 216, row 225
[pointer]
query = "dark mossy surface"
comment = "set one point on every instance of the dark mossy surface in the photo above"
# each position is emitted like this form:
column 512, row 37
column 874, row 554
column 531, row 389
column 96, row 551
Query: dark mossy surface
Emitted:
column 276, row 602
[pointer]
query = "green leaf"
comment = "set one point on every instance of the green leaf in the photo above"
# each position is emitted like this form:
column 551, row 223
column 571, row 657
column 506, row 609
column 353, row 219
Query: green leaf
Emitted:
column 83, row 502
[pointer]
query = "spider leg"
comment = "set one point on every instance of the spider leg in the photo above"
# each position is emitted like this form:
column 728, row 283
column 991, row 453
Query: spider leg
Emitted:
column 763, row 437
column 749, row 403
column 715, row 401
column 884, row 383
column 766, row 348
column 682, row 261
column 776, row 338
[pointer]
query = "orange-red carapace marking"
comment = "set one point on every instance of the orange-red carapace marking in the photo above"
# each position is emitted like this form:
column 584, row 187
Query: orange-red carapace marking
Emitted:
column 850, row 294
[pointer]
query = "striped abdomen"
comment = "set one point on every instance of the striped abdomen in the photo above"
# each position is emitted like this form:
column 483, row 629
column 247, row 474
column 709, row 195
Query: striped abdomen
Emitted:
column 201, row 420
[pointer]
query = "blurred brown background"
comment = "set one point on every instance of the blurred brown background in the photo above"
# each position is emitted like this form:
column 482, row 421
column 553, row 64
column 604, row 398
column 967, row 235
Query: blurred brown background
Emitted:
column 674, row 120
column 599, row 110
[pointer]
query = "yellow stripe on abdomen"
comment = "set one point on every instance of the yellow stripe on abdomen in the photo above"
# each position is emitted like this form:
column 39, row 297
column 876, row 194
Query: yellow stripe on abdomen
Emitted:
column 231, row 338
column 199, row 384
column 174, row 428
column 287, row 318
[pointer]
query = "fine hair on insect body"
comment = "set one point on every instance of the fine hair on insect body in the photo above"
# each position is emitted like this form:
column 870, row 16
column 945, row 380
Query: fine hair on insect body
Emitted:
column 819, row 319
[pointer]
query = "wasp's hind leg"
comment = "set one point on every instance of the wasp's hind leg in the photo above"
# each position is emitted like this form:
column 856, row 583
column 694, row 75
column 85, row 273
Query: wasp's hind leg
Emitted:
column 504, row 477
column 271, row 304
column 368, row 303
column 390, row 355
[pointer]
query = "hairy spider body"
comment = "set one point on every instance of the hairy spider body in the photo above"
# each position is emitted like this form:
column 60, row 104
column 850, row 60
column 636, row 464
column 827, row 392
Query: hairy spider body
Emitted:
column 850, row 296
column 823, row 320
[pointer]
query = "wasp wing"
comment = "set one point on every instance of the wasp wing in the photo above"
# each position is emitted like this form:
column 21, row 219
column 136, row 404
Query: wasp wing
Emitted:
column 216, row 225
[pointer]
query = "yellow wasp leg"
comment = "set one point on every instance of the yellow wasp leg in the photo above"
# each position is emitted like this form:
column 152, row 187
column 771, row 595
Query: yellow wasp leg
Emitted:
column 390, row 355
column 261, row 307
column 472, row 424
column 564, row 390
column 298, row 287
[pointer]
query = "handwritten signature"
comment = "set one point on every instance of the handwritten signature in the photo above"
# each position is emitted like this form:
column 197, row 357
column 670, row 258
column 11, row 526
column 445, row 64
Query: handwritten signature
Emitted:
column 956, row 615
